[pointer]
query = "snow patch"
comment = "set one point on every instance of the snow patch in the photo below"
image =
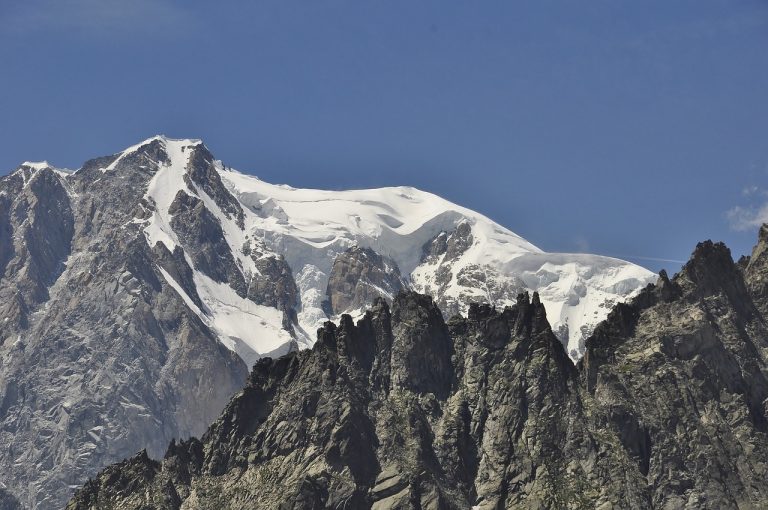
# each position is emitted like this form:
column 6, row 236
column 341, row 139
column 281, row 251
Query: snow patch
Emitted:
column 37, row 165
column 249, row 329
column 166, row 183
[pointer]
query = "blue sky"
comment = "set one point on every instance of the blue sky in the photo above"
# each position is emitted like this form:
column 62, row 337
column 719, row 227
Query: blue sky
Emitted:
column 625, row 128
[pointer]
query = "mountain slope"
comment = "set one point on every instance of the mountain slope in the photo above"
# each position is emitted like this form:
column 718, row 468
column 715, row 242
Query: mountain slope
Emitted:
column 666, row 410
column 136, row 291
column 98, row 355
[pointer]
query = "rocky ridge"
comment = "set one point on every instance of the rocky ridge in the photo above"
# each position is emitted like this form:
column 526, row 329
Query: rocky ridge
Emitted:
column 667, row 409
column 99, row 354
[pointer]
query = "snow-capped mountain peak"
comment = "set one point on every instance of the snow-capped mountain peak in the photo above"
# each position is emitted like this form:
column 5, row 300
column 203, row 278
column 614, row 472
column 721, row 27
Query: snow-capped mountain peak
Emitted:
column 453, row 253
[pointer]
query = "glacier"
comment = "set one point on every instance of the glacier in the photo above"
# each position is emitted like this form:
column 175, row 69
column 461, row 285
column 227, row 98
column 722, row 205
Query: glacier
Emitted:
column 309, row 228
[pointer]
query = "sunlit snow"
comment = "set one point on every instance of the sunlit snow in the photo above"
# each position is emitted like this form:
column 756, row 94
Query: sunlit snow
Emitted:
column 310, row 227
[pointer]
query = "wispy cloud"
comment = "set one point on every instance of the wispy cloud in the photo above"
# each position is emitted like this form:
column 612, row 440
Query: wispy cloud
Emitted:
column 653, row 259
column 100, row 17
column 753, row 211
column 749, row 217
column 582, row 244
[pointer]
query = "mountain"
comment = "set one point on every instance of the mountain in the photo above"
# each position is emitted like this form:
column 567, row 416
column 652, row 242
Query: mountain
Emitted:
column 136, row 292
column 98, row 355
column 668, row 408
column 452, row 253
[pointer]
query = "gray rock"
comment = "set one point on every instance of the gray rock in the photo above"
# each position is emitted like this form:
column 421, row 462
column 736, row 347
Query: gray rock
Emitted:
column 442, row 251
column 201, row 233
column 99, row 356
column 451, row 244
column 274, row 284
column 36, row 225
column 8, row 502
column 202, row 173
column 358, row 277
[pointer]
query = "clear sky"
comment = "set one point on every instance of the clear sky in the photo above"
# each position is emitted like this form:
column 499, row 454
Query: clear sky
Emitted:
column 624, row 128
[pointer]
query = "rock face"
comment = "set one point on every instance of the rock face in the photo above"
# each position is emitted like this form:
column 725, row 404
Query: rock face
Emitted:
column 273, row 285
column 201, row 234
column 8, row 502
column 667, row 409
column 36, row 229
column 358, row 277
column 478, row 282
column 682, row 373
column 99, row 354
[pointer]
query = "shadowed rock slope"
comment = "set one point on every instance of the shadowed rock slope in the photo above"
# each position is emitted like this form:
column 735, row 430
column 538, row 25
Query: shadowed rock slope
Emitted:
column 402, row 410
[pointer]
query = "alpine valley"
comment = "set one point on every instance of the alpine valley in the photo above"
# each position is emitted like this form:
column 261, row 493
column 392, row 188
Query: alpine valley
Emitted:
column 406, row 352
